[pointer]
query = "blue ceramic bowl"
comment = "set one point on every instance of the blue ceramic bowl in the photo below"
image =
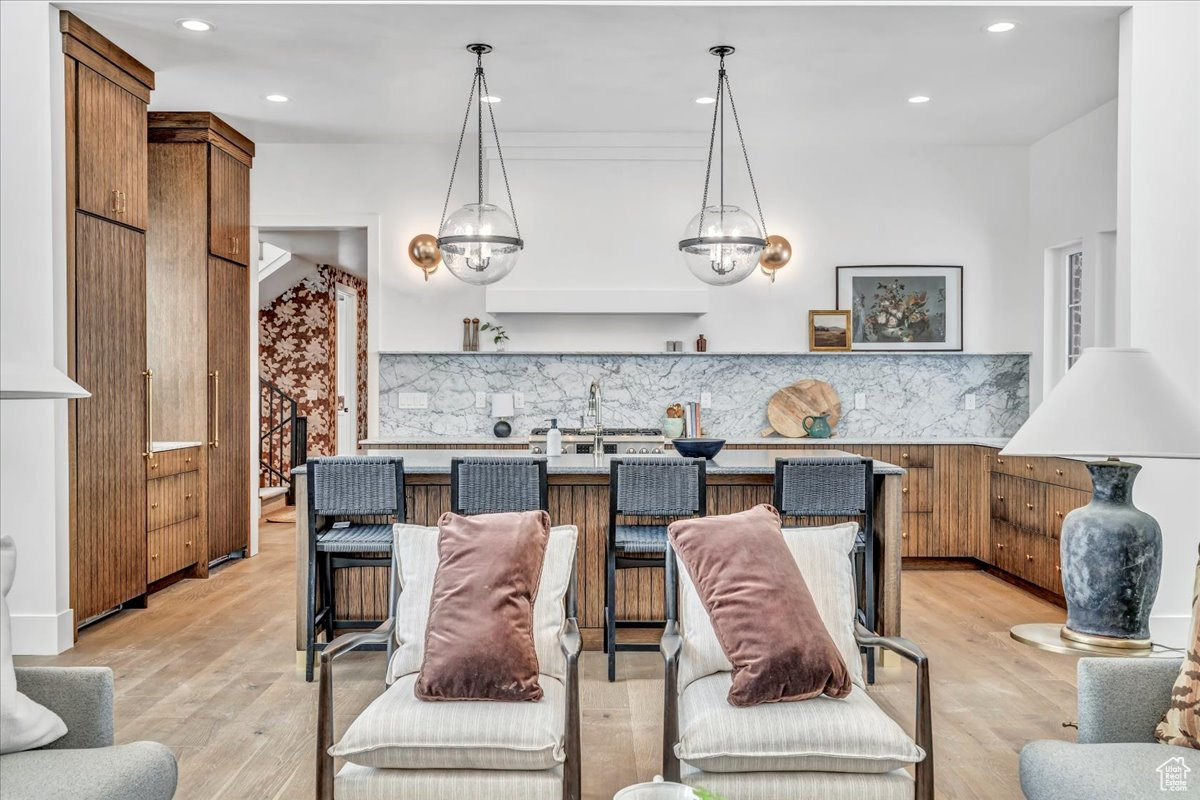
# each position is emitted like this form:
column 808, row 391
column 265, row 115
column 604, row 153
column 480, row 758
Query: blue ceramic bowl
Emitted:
column 698, row 448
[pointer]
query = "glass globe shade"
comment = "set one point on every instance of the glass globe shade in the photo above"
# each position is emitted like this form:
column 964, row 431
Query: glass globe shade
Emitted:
column 466, row 249
column 726, row 249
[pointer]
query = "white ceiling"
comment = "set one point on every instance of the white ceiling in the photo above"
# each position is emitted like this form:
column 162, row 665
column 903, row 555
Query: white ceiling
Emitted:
column 390, row 72
column 345, row 248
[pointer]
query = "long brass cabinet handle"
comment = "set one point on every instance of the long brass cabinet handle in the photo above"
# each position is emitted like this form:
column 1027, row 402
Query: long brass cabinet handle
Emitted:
column 216, row 409
column 149, row 376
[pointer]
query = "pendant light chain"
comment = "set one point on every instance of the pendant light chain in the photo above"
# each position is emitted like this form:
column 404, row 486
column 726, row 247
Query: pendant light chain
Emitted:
column 745, row 156
column 458, row 153
column 712, row 138
column 500, row 153
column 479, row 90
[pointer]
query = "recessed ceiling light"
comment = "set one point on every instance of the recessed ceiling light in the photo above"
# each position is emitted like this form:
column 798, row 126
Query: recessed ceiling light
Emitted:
column 706, row 101
column 1001, row 27
column 278, row 98
column 491, row 98
column 918, row 98
column 196, row 25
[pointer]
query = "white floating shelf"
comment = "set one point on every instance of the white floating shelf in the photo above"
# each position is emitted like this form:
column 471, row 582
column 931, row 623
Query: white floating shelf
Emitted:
column 690, row 300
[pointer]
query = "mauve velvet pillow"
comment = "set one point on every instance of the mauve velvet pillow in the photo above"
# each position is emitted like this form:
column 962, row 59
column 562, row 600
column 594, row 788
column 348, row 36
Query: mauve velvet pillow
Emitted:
column 760, row 608
column 479, row 637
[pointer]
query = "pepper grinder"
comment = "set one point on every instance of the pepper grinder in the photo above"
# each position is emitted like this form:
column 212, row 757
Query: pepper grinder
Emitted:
column 466, row 334
column 475, row 335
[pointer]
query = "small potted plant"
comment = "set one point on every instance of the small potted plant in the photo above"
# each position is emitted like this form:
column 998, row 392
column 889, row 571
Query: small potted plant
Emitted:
column 499, row 335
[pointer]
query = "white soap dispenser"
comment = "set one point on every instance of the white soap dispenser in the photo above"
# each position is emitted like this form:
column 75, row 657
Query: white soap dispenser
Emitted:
column 554, row 439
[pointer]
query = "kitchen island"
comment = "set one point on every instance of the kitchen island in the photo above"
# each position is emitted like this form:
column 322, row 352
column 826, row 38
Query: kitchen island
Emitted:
column 578, row 495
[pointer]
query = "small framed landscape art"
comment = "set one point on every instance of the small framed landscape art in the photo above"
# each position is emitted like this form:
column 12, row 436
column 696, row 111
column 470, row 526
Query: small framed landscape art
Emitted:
column 828, row 330
column 902, row 307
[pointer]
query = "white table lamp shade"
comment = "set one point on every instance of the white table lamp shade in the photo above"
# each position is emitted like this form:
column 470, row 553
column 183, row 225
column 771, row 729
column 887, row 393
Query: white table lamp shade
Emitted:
column 502, row 405
column 1115, row 402
column 23, row 380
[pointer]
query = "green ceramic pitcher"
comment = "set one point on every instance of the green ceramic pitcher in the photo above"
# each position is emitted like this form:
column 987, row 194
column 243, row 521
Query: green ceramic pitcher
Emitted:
column 818, row 427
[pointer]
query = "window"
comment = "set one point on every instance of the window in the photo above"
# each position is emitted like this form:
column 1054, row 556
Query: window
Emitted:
column 1074, row 316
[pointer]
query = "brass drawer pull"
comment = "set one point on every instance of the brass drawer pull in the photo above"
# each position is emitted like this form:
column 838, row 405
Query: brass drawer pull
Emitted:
column 188, row 543
column 904, row 490
column 187, row 496
column 1029, row 506
column 1058, row 472
column 1028, row 557
column 1000, row 546
column 154, row 556
column 154, row 505
column 999, row 460
column 1000, row 497
column 187, row 460
column 1058, row 513
column 904, row 455
column 1029, row 466
column 1058, row 568
column 904, row 534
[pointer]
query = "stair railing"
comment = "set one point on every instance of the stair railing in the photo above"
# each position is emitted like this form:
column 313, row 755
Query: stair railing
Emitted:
column 283, row 437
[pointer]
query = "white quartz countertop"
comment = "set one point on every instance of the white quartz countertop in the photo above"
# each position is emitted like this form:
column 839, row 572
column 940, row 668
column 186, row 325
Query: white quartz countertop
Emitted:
column 162, row 447
column 450, row 441
column 727, row 462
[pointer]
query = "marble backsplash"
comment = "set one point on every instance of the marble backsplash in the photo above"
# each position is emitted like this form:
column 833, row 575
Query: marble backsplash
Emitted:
column 908, row 395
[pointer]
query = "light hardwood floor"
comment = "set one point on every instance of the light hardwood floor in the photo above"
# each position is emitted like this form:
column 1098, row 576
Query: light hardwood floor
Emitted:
column 209, row 670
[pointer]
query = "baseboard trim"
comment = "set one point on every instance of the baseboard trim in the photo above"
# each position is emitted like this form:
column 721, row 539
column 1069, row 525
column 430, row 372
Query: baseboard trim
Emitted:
column 43, row 634
column 1021, row 583
column 937, row 563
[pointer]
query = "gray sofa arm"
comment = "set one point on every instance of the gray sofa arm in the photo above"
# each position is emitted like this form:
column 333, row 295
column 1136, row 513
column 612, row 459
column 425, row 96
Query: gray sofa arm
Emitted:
column 82, row 696
column 1122, row 699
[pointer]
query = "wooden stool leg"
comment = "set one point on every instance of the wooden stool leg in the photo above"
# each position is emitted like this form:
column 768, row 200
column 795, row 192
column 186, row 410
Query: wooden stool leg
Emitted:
column 610, row 615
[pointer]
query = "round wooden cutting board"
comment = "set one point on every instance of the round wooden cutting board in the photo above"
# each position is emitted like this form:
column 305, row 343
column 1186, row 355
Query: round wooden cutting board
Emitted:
column 789, row 406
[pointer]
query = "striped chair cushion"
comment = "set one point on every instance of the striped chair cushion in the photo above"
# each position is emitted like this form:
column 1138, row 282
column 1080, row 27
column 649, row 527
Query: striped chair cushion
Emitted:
column 642, row 538
column 897, row 785
column 367, row 783
column 357, row 538
column 817, row 735
column 417, row 561
column 398, row 731
column 824, row 558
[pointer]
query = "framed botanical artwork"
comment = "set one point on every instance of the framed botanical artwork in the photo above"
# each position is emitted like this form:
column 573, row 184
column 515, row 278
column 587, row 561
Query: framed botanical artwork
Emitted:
column 902, row 307
column 828, row 330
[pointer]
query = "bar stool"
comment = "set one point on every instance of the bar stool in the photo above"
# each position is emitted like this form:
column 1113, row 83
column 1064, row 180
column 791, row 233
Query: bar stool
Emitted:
column 839, row 486
column 487, row 485
column 653, row 487
column 342, row 490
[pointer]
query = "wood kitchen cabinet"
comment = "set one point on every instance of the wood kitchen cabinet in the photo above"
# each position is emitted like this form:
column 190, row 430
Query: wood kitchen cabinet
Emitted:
column 200, row 191
column 229, row 436
column 106, row 92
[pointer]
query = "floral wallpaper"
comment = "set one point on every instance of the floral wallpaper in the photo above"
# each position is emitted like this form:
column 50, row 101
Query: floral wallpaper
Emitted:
column 298, row 353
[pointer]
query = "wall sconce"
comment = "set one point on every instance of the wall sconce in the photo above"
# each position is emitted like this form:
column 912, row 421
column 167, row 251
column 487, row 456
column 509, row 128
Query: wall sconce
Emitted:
column 775, row 255
column 424, row 252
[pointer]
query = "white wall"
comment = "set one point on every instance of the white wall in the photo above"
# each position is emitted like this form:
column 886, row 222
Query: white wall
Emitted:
column 1158, row 260
column 33, row 460
column 1072, row 199
column 837, row 205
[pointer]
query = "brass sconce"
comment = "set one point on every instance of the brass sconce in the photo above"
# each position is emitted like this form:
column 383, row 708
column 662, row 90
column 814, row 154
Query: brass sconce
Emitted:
column 424, row 252
column 775, row 255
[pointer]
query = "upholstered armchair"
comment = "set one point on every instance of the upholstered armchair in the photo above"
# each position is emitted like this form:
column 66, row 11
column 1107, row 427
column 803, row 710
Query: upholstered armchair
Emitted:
column 821, row 747
column 85, row 763
column 405, row 748
column 1114, row 755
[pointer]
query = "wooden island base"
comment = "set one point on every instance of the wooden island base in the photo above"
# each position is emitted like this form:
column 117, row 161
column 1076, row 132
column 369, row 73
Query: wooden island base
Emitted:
column 582, row 500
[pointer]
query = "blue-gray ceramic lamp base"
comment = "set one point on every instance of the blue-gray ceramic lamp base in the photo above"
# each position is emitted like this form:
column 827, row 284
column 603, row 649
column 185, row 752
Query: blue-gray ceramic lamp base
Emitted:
column 1111, row 562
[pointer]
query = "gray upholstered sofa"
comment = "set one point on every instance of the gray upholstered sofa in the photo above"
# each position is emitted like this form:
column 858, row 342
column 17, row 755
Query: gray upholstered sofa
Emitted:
column 1115, row 755
column 84, row 764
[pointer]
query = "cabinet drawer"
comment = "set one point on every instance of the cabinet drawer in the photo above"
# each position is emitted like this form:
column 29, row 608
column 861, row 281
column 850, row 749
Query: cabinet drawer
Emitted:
column 1019, row 502
column 1060, row 502
column 172, row 462
column 1069, row 473
column 916, row 456
column 173, row 499
column 172, row 548
column 1004, row 545
column 1037, row 469
column 916, row 532
column 916, row 487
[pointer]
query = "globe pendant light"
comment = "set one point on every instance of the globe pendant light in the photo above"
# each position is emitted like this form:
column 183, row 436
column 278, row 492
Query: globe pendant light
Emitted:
column 722, row 243
column 480, row 243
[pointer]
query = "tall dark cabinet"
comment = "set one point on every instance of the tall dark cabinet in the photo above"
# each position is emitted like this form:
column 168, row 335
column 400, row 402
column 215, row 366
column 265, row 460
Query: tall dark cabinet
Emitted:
column 107, row 92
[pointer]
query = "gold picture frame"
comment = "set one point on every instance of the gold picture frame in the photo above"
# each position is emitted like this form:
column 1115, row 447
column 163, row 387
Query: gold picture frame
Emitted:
column 825, row 335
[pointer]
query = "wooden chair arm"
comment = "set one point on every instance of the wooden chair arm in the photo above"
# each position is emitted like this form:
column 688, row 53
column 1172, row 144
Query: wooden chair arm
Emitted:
column 339, row 646
column 924, row 716
column 670, row 646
